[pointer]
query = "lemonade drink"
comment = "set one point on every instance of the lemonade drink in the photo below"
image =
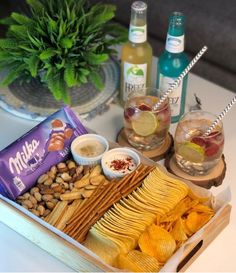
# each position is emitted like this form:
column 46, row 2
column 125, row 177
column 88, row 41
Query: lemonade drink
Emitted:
column 136, row 54
column 195, row 153
column 144, row 128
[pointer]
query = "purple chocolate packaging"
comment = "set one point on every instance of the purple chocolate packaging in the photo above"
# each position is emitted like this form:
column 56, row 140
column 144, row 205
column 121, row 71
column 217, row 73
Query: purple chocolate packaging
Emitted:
column 47, row 144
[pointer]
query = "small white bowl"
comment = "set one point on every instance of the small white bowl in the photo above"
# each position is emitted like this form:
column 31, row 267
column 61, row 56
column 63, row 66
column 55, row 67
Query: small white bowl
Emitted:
column 118, row 154
column 81, row 149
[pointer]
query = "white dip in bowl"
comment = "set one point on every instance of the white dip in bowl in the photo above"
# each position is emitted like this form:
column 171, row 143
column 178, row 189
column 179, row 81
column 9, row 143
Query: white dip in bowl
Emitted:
column 118, row 162
column 88, row 149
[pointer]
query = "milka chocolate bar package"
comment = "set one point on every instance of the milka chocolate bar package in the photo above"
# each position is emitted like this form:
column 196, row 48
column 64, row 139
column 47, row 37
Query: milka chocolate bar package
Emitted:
column 47, row 144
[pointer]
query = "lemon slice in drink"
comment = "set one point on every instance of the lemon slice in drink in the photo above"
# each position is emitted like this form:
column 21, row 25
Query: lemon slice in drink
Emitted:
column 146, row 124
column 191, row 152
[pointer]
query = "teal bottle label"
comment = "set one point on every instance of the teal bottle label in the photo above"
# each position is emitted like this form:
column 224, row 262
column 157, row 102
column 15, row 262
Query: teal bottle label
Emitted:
column 137, row 34
column 175, row 96
column 175, row 44
column 135, row 76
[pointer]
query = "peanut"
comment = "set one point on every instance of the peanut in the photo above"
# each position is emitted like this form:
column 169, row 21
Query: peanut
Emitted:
column 46, row 212
column 35, row 212
column 61, row 165
column 33, row 190
column 33, row 200
column 57, row 188
column 41, row 210
column 47, row 197
column 66, row 177
column 65, row 185
column 57, row 195
column 79, row 170
column 42, row 178
column 26, row 195
column 53, row 169
column 38, row 196
column 50, row 205
column 71, row 165
column 59, row 180
column 48, row 181
column 28, row 204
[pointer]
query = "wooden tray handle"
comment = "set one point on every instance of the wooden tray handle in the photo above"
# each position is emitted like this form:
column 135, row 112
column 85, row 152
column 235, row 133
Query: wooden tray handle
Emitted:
column 189, row 256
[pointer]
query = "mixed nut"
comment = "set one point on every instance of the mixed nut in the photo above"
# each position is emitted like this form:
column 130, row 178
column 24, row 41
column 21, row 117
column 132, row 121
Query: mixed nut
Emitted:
column 65, row 181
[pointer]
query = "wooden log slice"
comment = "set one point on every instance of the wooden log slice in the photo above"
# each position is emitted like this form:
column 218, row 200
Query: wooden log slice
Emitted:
column 214, row 178
column 155, row 154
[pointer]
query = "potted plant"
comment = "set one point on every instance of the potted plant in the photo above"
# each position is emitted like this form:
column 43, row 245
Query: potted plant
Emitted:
column 61, row 42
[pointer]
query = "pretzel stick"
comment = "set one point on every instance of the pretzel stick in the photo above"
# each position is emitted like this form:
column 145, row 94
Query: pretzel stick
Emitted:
column 93, row 216
column 71, row 227
column 86, row 204
column 136, row 184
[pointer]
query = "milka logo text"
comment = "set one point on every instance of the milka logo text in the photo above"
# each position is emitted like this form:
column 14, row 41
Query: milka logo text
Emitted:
column 22, row 157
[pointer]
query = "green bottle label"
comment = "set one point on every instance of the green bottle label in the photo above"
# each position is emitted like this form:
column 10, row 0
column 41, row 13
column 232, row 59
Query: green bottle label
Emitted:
column 175, row 44
column 137, row 34
column 135, row 77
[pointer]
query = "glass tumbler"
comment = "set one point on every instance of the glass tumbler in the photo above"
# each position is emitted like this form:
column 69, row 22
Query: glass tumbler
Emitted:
column 146, row 128
column 195, row 153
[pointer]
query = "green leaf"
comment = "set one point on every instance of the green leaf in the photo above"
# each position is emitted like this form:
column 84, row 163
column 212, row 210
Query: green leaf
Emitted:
column 36, row 5
column 66, row 43
column 19, row 31
column 21, row 19
column 52, row 82
column 13, row 74
column 26, row 48
column 33, row 65
column 36, row 42
column 96, row 59
column 96, row 80
column 107, row 14
column 4, row 55
column 7, row 21
column 8, row 43
column 69, row 75
column 47, row 54
column 84, row 71
column 52, row 25
column 82, row 78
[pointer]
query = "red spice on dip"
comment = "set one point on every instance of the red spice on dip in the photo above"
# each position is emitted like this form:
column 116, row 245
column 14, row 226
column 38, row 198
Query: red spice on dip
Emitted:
column 119, row 162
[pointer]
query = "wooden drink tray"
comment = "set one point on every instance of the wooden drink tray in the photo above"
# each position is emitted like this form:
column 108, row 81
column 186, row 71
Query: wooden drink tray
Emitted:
column 76, row 256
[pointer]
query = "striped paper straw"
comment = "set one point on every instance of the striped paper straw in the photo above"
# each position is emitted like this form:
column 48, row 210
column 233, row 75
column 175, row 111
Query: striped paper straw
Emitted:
column 180, row 78
column 219, row 118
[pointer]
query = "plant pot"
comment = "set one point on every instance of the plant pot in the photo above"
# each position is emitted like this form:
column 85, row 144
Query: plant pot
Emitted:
column 34, row 101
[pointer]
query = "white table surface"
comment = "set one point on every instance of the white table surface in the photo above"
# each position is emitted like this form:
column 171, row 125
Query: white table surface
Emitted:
column 19, row 254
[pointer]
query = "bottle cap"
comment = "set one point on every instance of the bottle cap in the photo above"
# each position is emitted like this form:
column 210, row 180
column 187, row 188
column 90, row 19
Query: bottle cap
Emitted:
column 139, row 6
column 177, row 18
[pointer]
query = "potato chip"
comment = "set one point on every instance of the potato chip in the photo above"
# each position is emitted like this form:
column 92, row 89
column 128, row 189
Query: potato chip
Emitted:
column 138, row 262
column 196, row 220
column 123, row 243
column 157, row 242
column 178, row 231
column 105, row 248
column 202, row 208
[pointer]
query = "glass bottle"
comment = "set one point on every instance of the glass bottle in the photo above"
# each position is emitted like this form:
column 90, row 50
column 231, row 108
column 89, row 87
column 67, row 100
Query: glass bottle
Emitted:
column 136, row 54
column 171, row 63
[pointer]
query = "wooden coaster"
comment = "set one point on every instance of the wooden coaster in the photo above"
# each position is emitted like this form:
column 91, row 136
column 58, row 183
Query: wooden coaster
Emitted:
column 214, row 178
column 155, row 154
